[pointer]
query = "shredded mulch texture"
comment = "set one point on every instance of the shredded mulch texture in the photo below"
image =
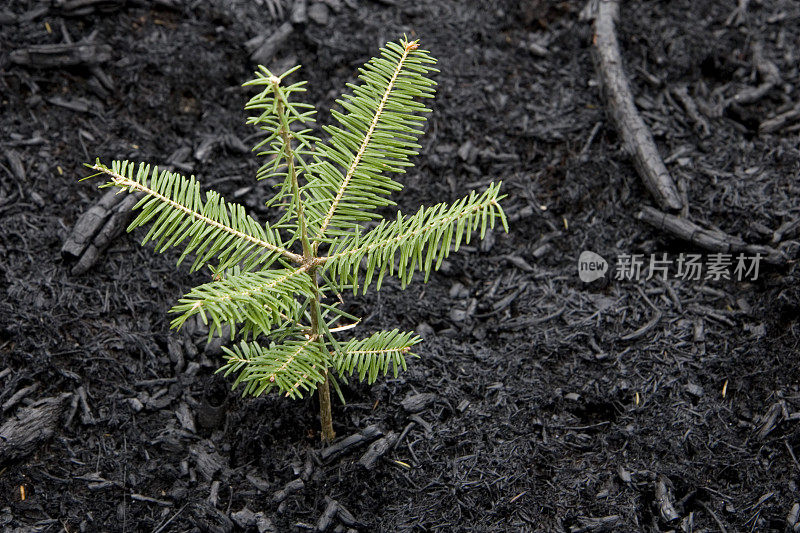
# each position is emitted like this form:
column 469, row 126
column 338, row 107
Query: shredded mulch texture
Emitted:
column 539, row 403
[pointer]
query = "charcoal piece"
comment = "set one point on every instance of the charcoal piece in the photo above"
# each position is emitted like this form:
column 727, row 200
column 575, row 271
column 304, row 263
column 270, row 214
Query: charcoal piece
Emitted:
column 30, row 427
column 414, row 403
column 97, row 228
column 264, row 47
column 377, row 450
column 326, row 520
column 209, row 519
column 293, row 486
column 62, row 55
column 339, row 448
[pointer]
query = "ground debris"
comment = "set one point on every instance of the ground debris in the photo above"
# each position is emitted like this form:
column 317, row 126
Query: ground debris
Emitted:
column 348, row 443
column 296, row 485
column 415, row 403
column 377, row 450
column 30, row 427
column 633, row 130
column 62, row 55
column 97, row 228
column 587, row 524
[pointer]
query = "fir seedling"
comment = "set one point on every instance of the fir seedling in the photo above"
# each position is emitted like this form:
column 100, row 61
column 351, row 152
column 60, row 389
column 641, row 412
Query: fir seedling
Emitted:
column 278, row 286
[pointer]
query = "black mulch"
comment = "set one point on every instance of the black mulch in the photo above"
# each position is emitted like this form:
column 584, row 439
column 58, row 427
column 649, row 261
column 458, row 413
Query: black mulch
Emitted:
column 550, row 407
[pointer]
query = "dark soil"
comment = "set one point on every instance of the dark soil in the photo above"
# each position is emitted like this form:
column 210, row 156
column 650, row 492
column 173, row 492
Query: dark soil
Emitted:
column 543, row 416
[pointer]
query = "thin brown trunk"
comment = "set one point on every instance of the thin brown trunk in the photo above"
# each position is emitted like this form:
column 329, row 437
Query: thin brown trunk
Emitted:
column 325, row 417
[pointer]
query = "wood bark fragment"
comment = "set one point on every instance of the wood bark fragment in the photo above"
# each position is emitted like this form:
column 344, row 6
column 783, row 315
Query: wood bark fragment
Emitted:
column 664, row 501
column 326, row 520
column 263, row 47
column 770, row 77
column 779, row 121
column 97, row 228
column 713, row 241
column 377, row 450
column 619, row 99
column 339, row 448
column 62, row 55
column 30, row 427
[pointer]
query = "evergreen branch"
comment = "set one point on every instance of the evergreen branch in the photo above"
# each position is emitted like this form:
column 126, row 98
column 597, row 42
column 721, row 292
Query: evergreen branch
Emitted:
column 367, row 138
column 375, row 354
column 260, row 300
column 292, row 366
column 279, row 117
column 377, row 136
column 214, row 228
column 431, row 231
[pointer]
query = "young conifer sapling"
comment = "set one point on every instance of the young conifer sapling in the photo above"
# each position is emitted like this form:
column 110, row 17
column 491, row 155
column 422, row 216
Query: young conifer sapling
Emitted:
column 278, row 285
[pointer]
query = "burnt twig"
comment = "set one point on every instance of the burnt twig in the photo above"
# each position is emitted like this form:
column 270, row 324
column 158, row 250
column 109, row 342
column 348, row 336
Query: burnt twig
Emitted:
column 714, row 241
column 770, row 76
column 365, row 435
column 62, row 55
column 780, row 120
column 634, row 132
column 377, row 450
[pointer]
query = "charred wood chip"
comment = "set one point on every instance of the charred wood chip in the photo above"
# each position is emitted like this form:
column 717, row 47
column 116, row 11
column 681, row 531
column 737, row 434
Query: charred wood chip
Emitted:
column 414, row 403
column 15, row 162
column 7, row 17
column 185, row 417
column 587, row 524
column 208, row 462
column 257, row 482
column 61, row 55
column 770, row 419
column 367, row 434
column 780, row 120
column 299, row 13
column 18, row 396
column 326, row 520
column 377, row 450
column 33, row 14
column 347, row 518
column 30, row 427
column 86, row 7
column 793, row 518
column 264, row 49
column 319, row 13
column 208, row 519
column 664, row 501
column 293, row 486
column 97, row 228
